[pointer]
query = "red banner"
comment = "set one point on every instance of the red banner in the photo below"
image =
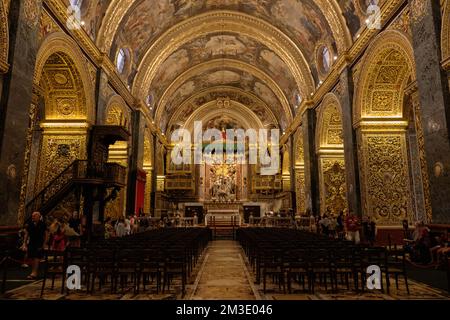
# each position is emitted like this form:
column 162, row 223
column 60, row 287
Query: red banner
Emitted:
column 140, row 192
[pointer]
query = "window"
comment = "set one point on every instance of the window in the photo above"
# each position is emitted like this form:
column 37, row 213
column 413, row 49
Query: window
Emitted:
column 326, row 59
column 76, row 3
column 298, row 100
column 149, row 101
column 121, row 60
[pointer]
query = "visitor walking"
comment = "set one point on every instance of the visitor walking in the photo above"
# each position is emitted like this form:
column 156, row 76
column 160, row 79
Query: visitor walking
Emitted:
column 36, row 237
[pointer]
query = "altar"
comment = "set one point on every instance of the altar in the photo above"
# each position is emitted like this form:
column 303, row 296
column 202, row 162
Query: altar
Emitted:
column 220, row 216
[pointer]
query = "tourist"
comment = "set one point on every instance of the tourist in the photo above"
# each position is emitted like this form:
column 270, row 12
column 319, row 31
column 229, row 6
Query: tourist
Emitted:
column 324, row 225
column 128, row 225
column 312, row 222
column 352, row 225
column 251, row 219
column 121, row 230
column 195, row 220
column 340, row 225
column 59, row 239
column 36, row 237
column 75, row 222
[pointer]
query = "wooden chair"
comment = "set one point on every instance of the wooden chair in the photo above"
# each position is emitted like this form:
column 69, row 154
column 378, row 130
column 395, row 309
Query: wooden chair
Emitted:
column 55, row 264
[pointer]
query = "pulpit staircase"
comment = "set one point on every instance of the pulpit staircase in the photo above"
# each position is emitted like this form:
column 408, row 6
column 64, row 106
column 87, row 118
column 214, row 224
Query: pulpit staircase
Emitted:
column 78, row 175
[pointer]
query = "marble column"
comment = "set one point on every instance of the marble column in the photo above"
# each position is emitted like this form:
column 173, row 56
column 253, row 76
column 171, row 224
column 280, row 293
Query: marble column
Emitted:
column 312, row 193
column 101, row 90
column 15, row 103
column 350, row 143
column 136, row 162
column 434, row 103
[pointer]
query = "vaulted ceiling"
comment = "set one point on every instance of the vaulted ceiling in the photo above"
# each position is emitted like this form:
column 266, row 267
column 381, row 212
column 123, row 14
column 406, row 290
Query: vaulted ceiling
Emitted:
column 277, row 50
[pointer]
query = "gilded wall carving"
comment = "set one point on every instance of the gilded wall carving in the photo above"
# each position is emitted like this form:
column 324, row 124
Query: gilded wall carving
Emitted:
column 62, row 72
column 32, row 122
column 386, row 69
column 300, row 191
column 384, row 164
column 64, row 92
column 329, row 129
column 114, row 208
column 330, row 150
column 57, row 153
column 445, row 38
column 333, row 187
column 4, row 39
column 299, row 148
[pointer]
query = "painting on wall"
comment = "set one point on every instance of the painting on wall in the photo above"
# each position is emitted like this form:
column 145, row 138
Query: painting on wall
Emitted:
column 91, row 13
column 356, row 13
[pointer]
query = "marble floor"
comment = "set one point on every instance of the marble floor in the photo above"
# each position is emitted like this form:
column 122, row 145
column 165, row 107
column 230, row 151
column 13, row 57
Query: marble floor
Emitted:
column 223, row 273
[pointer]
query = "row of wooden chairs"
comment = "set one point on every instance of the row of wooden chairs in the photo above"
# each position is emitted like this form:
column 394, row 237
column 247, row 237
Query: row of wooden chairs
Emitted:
column 152, row 258
column 292, row 256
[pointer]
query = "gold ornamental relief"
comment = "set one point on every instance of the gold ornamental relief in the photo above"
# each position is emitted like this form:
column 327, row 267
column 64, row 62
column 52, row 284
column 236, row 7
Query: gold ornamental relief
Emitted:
column 387, row 181
column 299, row 150
column 382, row 101
column 300, row 191
column 333, row 190
column 57, row 154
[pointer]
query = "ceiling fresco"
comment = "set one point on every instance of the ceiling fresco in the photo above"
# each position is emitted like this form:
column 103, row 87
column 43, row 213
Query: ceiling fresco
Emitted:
column 356, row 13
column 230, row 46
column 302, row 21
column 91, row 13
column 141, row 22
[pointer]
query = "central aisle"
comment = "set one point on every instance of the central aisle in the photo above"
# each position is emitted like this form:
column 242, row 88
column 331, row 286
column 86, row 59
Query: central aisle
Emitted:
column 223, row 275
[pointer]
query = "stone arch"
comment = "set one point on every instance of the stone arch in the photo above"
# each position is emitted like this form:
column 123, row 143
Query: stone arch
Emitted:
column 329, row 124
column 381, row 123
column 250, row 100
column 60, row 44
column 387, row 68
column 330, row 151
column 230, row 63
column 233, row 109
column 4, row 39
column 223, row 21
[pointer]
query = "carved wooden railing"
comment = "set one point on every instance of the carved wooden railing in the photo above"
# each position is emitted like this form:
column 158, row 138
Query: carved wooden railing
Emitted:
column 80, row 171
